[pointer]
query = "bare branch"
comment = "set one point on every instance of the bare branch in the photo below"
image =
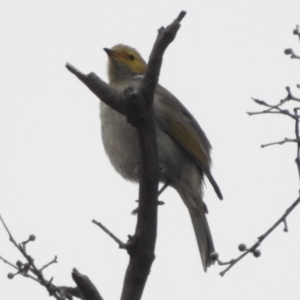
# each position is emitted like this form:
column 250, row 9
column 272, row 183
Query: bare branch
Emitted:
column 11, row 238
column 118, row 241
column 24, row 269
column 164, row 38
column 142, row 254
column 54, row 261
column 290, row 96
column 271, row 109
column 290, row 52
column 274, row 109
column 297, row 133
column 297, row 32
column 286, row 140
column 280, row 220
column 9, row 263
column 261, row 238
column 101, row 89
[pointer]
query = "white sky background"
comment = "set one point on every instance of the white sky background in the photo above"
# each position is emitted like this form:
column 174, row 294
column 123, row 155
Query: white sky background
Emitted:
column 55, row 177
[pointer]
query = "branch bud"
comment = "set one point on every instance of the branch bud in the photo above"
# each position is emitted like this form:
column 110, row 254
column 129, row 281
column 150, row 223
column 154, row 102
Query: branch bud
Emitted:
column 288, row 51
column 242, row 247
column 256, row 253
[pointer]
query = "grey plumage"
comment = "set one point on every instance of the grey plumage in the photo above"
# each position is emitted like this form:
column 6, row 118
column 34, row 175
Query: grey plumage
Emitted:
column 183, row 151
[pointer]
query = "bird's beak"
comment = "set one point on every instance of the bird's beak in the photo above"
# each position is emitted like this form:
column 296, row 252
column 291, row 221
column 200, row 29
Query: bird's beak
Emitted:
column 111, row 53
column 108, row 51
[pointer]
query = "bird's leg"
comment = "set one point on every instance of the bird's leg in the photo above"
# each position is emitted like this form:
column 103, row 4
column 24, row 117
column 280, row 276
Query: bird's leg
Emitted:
column 163, row 188
column 166, row 184
column 135, row 211
column 136, row 169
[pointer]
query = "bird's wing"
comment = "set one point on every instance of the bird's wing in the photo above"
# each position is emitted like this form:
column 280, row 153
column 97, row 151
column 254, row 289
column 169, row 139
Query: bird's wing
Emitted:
column 175, row 120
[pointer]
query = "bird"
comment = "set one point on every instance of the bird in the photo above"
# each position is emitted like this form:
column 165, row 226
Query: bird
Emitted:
column 183, row 148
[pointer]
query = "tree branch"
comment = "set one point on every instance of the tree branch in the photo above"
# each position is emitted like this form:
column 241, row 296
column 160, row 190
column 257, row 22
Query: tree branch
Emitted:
column 142, row 255
column 253, row 249
column 274, row 109
column 30, row 267
column 286, row 140
column 101, row 89
column 136, row 105
column 117, row 240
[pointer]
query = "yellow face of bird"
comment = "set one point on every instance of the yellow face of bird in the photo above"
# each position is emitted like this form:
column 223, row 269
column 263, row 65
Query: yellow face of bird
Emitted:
column 124, row 63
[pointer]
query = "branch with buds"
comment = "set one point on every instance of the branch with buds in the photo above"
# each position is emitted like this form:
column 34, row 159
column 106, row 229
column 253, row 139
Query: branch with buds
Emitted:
column 290, row 51
column 273, row 109
column 85, row 289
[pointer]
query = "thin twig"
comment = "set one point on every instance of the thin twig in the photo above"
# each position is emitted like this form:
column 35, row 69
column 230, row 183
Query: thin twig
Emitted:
column 52, row 289
column 163, row 188
column 298, row 137
column 273, row 107
column 20, row 271
column 282, row 219
column 9, row 263
column 297, row 32
column 107, row 231
column 252, row 113
column 261, row 238
column 48, row 264
column 11, row 238
column 291, row 52
column 290, row 96
column 286, row 140
column 232, row 262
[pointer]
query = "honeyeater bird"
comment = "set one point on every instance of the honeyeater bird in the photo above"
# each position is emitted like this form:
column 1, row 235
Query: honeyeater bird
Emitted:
column 183, row 148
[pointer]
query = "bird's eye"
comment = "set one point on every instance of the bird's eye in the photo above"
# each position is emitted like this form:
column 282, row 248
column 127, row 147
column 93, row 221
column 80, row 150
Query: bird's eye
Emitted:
column 131, row 57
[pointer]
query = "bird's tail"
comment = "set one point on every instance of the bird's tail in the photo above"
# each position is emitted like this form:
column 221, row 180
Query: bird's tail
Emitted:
column 203, row 235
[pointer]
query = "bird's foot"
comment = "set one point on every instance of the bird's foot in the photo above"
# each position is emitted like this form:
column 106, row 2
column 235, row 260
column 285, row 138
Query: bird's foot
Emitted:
column 135, row 211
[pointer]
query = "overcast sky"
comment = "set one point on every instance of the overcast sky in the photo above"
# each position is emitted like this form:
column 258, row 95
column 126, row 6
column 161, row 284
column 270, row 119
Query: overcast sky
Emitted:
column 55, row 177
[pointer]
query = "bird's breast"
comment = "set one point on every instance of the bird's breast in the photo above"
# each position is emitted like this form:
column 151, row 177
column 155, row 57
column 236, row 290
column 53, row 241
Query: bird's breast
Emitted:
column 120, row 142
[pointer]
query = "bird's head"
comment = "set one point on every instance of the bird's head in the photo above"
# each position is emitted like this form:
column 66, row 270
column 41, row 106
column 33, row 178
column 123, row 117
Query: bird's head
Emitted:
column 124, row 62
